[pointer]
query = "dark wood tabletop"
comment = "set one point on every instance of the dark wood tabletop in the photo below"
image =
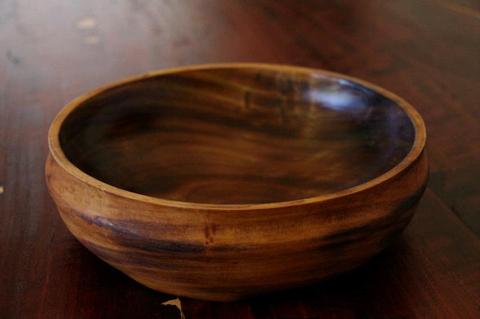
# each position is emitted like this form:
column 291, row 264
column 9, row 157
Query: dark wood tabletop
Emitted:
column 427, row 51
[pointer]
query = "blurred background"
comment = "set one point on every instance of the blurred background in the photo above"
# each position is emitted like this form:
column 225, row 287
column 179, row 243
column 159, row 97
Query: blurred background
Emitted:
column 427, row 51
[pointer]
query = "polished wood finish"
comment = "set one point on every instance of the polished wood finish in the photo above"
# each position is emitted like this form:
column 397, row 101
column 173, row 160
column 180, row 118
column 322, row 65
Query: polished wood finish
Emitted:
column 425, row 51
column 286, row 175
column 237, row 134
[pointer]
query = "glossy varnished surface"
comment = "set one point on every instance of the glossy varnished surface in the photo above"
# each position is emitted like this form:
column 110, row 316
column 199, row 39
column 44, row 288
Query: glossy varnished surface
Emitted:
column 425, row 51
column 237, row 135
column 265, row 239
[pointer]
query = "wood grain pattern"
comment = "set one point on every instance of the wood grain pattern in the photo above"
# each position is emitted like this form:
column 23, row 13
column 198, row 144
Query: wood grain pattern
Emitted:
column 237, row 136
column 341, row 172
column 425, row 51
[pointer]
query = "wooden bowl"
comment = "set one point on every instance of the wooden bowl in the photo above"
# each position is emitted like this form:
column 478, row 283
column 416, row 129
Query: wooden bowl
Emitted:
column 224, row 181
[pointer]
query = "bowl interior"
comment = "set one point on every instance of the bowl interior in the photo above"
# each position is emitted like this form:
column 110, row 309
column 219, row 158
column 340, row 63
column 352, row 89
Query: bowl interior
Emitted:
column 237, row 135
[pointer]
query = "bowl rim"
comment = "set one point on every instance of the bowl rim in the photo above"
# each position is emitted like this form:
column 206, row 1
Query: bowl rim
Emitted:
column 59, row 156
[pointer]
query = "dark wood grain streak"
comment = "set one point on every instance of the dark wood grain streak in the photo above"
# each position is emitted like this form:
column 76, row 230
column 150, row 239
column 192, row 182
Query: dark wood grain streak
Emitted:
column 425, row 51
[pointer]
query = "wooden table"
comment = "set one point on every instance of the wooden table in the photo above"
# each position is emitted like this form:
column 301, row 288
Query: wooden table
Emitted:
column 427, row 51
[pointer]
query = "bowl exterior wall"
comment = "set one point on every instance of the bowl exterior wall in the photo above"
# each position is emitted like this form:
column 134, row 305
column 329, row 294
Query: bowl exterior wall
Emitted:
column 229, row 254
